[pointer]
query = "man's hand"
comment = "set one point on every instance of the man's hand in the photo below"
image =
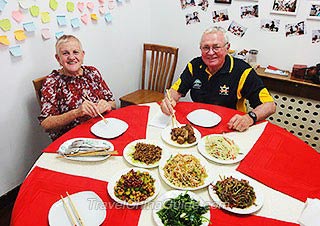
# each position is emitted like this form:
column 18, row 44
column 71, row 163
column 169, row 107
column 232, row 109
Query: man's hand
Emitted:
column 240, row 122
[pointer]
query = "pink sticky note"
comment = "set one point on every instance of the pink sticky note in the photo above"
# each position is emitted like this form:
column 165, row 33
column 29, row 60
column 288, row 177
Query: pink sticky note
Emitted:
column 101, row 1
column 17, row 15
column 102, row 9
column 45, row 32
column 111, row 4
column 84, row 18
column 90, row 5
column 80, row 6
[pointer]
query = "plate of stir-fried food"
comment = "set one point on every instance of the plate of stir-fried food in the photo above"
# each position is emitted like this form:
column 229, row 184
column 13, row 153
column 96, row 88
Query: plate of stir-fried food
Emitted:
column 185, row 171
column 183, row 136
column 143, row 153
column 134, row 187
column 181, row 208
column 236, row 193
column 220, row 148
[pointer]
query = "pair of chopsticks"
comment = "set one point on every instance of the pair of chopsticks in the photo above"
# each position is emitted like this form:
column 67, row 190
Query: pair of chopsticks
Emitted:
column 101, row 152
column 73, row 209
column 174, row 121
column 87, row 98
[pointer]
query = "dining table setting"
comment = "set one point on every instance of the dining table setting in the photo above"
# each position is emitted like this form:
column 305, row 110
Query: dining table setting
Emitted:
column 135, row 166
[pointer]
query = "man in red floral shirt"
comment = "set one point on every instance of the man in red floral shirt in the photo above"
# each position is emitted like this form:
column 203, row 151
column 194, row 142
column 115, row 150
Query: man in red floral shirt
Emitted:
column 62, row 94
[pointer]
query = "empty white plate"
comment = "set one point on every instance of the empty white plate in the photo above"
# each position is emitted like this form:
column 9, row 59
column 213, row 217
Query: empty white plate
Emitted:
column 113, row 128
column 204, row 118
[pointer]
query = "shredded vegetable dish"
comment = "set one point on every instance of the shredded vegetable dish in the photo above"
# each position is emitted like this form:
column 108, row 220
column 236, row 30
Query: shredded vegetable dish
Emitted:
column 183, row 210
column 235, row 193
column 221, row 147
column 185, row 171
column 135, row 186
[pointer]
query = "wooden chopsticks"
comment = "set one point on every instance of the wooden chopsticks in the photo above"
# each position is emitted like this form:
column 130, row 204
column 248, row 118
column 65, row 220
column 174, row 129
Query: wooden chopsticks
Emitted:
column 66, row 207
column 89, row 153
column 74, row 211
column 173, row 116
column 87, row 98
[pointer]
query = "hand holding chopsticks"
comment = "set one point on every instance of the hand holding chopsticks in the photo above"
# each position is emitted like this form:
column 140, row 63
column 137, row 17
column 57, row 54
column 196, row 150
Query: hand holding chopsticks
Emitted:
column 73, row 212
column 173, row 116
column 87, row 98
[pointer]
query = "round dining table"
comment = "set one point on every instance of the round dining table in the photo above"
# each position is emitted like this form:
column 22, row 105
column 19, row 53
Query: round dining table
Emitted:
column 286, row 170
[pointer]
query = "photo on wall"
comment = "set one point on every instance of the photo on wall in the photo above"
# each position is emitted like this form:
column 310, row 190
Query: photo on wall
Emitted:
column 220, row 15
column 315, row 36
column 295, row 29
column 314, row 12
column 250, row 11
column 249, row 0
column 204, row 4
column 289, row 7
column 187, row 3
column 270, row 25
column 237, row 29
column 192, row 18
column 223, row 1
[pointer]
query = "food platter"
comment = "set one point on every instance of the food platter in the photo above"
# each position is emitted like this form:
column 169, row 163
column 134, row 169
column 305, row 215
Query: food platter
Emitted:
column 251, row 209
column 89, row 142
column 204, row 118
column 166, row 136
column 203, row 162
column 173, row 194
column 113, row 183
column 241, row 155
column 113, row 128
column 130, row 149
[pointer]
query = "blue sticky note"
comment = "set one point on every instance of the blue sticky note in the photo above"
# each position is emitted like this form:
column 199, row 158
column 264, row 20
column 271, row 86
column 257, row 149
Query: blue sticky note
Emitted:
column 62, row 21
column 15, row 50
column 108, row 17
column 30, row 26
column 59, row 34
column 75, row 22
column 120, row 1
column 2, row 4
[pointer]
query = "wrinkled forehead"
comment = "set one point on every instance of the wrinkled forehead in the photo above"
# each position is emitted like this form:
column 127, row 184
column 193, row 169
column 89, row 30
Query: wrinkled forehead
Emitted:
column 213, row 38
column 68, row 43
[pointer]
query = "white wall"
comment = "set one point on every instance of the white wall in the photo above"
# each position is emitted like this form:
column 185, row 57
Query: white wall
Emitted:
column 115, row 49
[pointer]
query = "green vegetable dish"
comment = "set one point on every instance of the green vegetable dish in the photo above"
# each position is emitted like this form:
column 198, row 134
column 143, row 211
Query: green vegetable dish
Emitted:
column 183, row 211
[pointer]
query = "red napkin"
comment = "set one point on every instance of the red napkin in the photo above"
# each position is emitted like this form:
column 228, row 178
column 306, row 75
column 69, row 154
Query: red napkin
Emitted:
column 223, row 218
column 135, row 116
column 285, row 163
column 42, row 188
column 184, row 108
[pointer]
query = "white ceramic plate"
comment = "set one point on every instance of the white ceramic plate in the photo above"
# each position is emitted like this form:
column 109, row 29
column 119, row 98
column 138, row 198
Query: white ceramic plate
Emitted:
column 113, row 128
column 173, row 194
column 203, row 162
column 240, row 156
column 85, row 202
column 166, row 136
column 114, row 180
column 249, row 210
column 90, row 141
column 204, row 118
column 129, row 150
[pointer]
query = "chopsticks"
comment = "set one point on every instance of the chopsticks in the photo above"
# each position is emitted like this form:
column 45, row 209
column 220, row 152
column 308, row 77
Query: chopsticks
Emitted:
column 74, row 211
column 101, row 152
column 87, row 98
column 173, row 116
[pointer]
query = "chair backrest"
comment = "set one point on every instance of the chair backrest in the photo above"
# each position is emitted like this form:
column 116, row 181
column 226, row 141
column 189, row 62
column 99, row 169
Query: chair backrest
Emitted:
column 158, row 66
column 37, row 84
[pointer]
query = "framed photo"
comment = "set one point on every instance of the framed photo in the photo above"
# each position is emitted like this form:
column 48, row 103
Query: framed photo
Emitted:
column 249, row 0
column 223, row 1
column 314, row 11
column 289, row 7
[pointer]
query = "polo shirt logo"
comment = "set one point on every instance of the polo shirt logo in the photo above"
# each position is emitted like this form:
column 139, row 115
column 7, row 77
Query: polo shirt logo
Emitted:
column 197, row 84
column 224, row 90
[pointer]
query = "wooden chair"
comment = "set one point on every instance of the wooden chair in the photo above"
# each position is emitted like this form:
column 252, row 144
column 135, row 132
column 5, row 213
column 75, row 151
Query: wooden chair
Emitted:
column 37, row 84
column 158, row 67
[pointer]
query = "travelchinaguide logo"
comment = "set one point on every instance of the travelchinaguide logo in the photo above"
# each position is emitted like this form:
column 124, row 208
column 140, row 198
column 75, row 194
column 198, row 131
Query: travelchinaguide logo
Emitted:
column 197, row 84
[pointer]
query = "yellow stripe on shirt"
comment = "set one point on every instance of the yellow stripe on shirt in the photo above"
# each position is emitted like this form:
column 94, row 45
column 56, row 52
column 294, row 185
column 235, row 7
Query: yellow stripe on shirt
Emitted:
column 176, row 85
column 265, row 96
column 241, row 104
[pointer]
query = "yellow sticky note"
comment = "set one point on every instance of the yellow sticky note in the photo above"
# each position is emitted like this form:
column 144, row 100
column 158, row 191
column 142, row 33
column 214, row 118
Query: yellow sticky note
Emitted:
column 4, row 40
column 53, row 4
column 34, row 10
column 20, row 35
column 70, row 6
column 94, row 16
column 45, row 17
column 5, row 24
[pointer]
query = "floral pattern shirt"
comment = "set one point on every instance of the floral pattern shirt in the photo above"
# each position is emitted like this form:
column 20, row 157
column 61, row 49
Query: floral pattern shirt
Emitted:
column 61, row 93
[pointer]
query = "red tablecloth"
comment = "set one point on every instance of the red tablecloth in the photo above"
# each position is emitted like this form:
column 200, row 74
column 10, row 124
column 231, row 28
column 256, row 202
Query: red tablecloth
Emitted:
column 135, row 116
column 285, row 163
column 43, row 187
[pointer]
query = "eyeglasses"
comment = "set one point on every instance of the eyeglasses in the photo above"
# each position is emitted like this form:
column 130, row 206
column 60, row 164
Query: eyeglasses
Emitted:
column 206, row 49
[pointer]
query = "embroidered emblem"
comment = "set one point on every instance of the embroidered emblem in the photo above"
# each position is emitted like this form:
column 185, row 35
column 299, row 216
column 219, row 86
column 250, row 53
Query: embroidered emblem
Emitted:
column 197, row 84
column 224, row 90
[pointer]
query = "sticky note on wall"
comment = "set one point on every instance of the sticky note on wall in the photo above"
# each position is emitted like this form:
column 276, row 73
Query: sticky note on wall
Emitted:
column 75, row 22
column 20, row 35
column 62, row 21
column 5, row 24
column 30, row 26
column 59, row 34
column 3, row 3
column 45, row 33
column 53, row 4
column 70, row 6
column 4, row 40
column 45, row 17
column 34, row 11
column 15, row 51
column 17, row 15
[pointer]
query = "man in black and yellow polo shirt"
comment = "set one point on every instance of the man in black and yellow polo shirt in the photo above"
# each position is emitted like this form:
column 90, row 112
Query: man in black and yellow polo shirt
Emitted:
column 218, row 78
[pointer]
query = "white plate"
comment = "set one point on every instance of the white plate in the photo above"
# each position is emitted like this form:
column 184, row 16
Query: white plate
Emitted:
column 95, row 142
column 249, row 210
column 203, row 162
column 113, row 128
column 129, row 149
column 85, row 203
column 166, row 136
column 114, row 180
column 173, row 194
column 242, row 150
column 204, row 118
